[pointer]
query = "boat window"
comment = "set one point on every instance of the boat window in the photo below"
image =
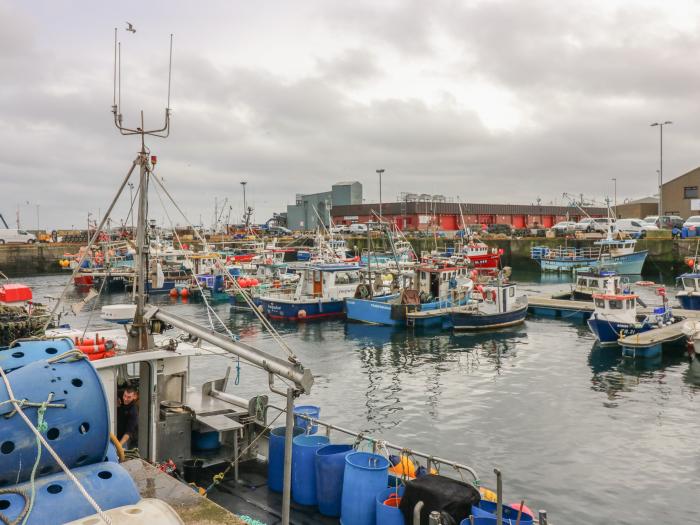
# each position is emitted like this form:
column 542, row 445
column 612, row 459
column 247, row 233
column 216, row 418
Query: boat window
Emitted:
column 615, row 304
column 511, row 292
column 688, row 283
column 599, row 303
column 581, row 281
column 605, row 283
column 630, row 303
column 423, row 275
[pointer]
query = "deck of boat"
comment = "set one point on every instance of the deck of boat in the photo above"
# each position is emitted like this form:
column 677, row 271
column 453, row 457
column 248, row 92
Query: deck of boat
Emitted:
column 555, row 303
column 250, row 496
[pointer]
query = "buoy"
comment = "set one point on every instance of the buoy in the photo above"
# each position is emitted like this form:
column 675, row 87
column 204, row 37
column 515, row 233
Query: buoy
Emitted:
column 526, row 510
column 276, row 283
column 302, row 314
column 691, row 262
column 173, row 292
column 184, row 292
column 405, row 467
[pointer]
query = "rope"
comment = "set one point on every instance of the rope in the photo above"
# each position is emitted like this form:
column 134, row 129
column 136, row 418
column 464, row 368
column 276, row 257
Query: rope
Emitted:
column 42, row 427
column 51, row 451
column 4, row 519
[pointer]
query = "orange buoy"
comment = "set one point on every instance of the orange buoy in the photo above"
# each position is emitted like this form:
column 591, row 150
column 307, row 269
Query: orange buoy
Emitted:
column 690, row 261
column 173, row 292
column 302, row 314
column 184, row 292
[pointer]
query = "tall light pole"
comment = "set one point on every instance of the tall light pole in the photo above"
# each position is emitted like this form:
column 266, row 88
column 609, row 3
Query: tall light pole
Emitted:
column 614, row 179
column 245, row 207
column 380, row 171
column 661, row 162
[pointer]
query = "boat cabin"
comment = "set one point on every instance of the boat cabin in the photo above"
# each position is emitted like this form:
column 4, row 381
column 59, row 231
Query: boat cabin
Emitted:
column 589, row 283
column 329, row 281
column 440, row 281
column 617, row 248
column 620, row 308
column 498, row 297
column 690, row 282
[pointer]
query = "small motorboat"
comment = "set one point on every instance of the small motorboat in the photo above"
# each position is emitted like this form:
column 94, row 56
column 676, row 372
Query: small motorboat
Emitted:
column 499, row 306
column 615, row 315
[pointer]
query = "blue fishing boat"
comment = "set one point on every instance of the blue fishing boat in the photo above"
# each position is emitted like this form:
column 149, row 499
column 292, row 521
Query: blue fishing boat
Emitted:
column 319, row 293
column 499, row 306
column 429, row 289
column 610, row 254
column 616, row 316
column 689, row 296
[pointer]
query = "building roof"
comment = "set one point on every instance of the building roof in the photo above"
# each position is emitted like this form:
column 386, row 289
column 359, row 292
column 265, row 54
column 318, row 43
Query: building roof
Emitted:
column 429, row 208
column 346, row 183
column 643, row 200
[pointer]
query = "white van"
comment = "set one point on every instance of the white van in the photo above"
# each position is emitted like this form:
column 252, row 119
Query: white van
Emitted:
column 16, row 236
column 358, row 228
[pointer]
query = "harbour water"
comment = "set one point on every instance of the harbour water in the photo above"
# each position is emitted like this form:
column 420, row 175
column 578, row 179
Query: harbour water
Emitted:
column 576, row 429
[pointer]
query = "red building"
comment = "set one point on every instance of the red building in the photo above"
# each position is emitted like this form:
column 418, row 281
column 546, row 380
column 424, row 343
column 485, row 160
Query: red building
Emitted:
column 428, row 215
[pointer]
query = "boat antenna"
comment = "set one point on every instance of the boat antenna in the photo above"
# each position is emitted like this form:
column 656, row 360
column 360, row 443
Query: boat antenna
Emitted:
column 139, row 339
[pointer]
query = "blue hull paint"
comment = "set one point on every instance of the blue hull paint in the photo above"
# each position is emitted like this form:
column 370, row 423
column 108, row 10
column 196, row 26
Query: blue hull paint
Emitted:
column 689, row 302
column 608, row 332
column 626, row 264
column 287, row 311
column 645, row 353
column 469, row 321
column 439, row 320
column 373, row 311
column 563, row 313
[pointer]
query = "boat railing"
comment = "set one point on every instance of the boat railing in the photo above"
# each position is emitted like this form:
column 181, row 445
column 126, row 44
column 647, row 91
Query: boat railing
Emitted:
column 564, row 252
column 378, row 444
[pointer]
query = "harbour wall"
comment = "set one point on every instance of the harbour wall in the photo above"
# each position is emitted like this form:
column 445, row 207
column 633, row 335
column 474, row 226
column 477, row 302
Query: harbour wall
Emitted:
column 666, row 256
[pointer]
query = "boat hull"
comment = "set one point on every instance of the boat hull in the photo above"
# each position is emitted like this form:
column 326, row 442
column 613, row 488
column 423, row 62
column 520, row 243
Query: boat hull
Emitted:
column 490, row 260
column 376, row 311
column 689, row 302
column 608, row 332
column 481, row 321
column 302, row 310
column 630, row 264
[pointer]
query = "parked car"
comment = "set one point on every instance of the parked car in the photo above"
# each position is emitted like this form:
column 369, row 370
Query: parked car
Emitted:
column 665, row 222
column 633, row 226
column 341, row 228
column 8, row 236
column 693, row 222
column 590, row 224
column 564, row 226
column 358, row 227
column 279, row 230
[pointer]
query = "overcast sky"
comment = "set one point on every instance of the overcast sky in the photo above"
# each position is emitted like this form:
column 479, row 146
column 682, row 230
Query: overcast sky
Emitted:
column 489, row 101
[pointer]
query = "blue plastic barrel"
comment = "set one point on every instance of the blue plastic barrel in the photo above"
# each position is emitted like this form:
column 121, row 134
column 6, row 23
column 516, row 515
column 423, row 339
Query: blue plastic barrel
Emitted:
column 304, row 467
column 25, row 352
column 330, row 466
column 58, row 499
column 307, row 410
column 385, row 514
column 78, row 432
column 275, row 457
column 365, row 475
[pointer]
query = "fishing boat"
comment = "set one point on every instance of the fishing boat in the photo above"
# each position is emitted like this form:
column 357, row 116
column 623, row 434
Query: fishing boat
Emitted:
column 588, row 282
column 499, row 306
column 611, row 254
column 479, row 255
column 616, row 315
column 689, row 296
column 319, row 293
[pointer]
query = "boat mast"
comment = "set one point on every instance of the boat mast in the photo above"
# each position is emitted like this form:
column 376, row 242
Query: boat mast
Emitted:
column 139, row 336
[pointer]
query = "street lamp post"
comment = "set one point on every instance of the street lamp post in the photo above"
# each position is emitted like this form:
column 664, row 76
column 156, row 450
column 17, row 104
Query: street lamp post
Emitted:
column 614, row 179
column 245, row 207
column 661, row 162
column 379, row 172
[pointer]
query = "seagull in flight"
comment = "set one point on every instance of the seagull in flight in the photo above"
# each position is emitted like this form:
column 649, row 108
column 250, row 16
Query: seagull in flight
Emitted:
column 130, row 27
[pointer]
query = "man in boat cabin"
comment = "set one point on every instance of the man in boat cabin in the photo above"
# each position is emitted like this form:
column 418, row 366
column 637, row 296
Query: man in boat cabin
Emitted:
column 128, row 417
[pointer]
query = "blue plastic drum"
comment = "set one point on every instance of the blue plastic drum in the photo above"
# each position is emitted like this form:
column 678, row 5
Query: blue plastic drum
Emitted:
column 387, row 515
column 25, row 352
column 78, row 431
column 365, row 476
column 330, row 466
column 275, row 458
column 58, row 499
column 304, row 467
column 307, row 410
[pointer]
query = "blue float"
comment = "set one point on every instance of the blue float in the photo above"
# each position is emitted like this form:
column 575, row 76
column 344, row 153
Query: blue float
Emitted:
column 25, row 352
column 330, row 466
column 310, row 411
column 385, row 514
column 58, row 500
column 78, row 431
column 275, row 457
column 304, row 467
column 365, row 476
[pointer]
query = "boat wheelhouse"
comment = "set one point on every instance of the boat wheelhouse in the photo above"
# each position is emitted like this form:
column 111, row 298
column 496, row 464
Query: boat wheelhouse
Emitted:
column 497, row 305
column 689, row 296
